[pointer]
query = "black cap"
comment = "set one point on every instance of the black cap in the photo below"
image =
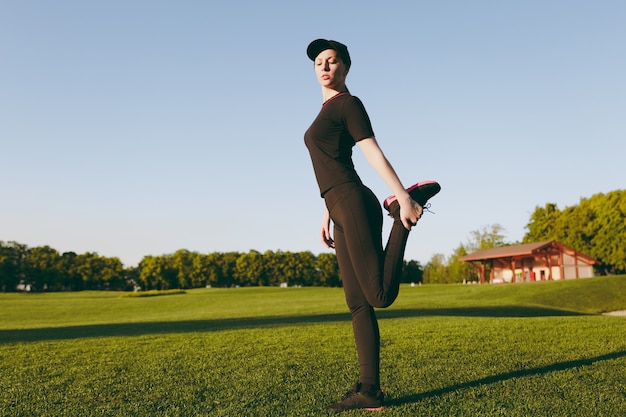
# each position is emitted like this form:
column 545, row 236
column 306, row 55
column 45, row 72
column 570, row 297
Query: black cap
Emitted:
column 319, row 45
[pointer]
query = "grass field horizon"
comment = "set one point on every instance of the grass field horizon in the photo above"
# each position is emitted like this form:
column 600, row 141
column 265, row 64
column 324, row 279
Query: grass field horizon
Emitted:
column 540, row 349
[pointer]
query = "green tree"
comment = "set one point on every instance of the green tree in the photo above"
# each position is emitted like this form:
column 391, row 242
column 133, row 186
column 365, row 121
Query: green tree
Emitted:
column 596, row 227
column 288, row 268
column 306, row 272
column 461, row 271
column 609, row 240
column 274, row 267
column 435, row 271
column 151, row 275
column 112, row 274
column 250, row 269
column 328, row 270
column 201, row 270
column 490, row 236
column 100, row 273
column 181, row 264
column 542, row 224
column 227, row 263
column 412, row 272
column 212, row 266
column 71, row 279
column 12, row 265
column 43, row 268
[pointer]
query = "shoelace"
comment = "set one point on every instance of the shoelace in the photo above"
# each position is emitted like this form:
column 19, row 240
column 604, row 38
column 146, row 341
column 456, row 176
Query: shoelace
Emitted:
column 425, row 207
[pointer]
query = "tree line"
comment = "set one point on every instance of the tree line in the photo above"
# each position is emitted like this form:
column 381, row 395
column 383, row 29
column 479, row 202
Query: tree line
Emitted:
column 45, row 269
column 596, row 227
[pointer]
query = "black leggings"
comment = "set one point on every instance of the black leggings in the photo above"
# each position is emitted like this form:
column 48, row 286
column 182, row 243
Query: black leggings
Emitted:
column 370, row 275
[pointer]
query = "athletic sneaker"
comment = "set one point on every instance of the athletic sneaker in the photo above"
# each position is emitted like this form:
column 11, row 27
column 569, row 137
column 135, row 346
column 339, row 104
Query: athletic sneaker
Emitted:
column 420, row 192
column 358, row 399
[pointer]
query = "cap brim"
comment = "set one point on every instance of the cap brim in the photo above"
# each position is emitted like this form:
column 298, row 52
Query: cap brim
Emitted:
column 317, row 46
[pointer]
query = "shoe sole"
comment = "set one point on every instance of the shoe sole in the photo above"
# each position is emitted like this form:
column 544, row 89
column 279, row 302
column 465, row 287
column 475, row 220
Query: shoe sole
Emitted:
column 420, row 192
column 371, row 409
column 382, row 408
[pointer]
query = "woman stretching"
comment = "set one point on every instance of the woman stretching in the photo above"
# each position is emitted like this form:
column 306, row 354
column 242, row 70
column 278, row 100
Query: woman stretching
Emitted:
column 370, row 274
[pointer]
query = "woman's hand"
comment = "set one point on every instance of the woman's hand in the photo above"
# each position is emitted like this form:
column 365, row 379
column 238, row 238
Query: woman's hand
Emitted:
column 410, row 212
column 327, row 240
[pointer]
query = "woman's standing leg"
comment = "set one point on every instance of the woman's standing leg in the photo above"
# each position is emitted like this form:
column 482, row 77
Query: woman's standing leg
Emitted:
column 357, row 221
column 364, row 322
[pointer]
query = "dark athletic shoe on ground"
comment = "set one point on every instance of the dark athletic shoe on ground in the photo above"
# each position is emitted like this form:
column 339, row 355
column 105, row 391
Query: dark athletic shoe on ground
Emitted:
column 355, row 399
column 420, row 192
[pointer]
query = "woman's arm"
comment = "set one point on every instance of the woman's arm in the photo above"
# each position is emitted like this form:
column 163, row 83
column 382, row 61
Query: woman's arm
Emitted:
column 410, row 211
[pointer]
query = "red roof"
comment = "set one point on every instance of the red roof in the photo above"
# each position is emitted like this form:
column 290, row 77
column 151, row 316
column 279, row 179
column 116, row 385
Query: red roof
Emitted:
column 524, row 250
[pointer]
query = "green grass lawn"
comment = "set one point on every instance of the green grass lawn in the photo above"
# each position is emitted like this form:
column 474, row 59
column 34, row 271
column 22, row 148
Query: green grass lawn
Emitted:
column 533, row 349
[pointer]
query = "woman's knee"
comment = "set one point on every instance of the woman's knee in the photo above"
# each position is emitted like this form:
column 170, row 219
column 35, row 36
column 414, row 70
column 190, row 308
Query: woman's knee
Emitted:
column 382, row 303
column 379, row 301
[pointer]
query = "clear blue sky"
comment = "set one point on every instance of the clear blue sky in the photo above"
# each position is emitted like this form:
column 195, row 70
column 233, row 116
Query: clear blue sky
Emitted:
column 132, row 128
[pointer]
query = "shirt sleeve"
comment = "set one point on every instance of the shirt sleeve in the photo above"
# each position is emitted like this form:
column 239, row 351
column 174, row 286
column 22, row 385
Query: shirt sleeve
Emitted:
column 356, row 120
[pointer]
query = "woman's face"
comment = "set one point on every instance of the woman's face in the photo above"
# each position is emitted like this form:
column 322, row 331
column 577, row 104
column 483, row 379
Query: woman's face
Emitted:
column 330, row 70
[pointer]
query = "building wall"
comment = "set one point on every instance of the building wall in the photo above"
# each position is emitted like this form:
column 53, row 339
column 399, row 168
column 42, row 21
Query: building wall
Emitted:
column 569, row 267
column 523, row 275
column 541, row 272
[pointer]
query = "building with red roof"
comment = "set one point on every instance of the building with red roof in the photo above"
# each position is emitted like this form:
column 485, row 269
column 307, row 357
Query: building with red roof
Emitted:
column 539, row 261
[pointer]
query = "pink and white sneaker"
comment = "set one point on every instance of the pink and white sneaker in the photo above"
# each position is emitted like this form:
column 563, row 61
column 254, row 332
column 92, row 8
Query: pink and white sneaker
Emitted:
column 420, row 192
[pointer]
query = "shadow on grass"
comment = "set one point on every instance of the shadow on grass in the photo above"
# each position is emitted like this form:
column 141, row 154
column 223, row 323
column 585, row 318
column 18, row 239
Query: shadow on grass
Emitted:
column 189, row 326
column 560, row 366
